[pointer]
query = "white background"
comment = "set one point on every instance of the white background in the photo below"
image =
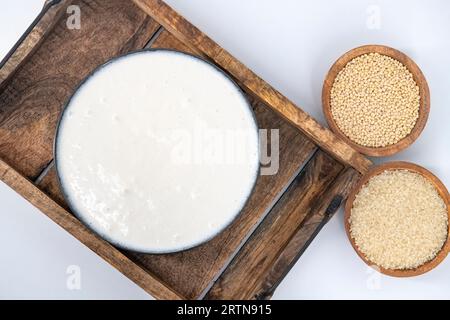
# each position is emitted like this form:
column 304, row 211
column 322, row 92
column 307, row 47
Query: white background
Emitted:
column 291, row 44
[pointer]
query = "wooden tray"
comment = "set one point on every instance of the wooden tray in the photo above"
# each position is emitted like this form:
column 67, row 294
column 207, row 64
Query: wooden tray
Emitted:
column 286, row 210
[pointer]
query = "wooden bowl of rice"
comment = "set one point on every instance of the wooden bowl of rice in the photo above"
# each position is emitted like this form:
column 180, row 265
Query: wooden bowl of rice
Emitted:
column 397, row 219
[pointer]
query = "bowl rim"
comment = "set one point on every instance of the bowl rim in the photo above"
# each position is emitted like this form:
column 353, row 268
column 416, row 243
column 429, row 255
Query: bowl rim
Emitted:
column 96, row 230
column 419, row 78
column 443, row 192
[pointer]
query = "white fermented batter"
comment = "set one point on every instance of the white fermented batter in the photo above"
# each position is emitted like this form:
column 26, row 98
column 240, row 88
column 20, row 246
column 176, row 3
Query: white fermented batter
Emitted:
column 157, row 151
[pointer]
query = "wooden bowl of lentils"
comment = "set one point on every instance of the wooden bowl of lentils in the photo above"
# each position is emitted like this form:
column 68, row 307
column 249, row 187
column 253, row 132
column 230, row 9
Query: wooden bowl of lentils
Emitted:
column 376, row 99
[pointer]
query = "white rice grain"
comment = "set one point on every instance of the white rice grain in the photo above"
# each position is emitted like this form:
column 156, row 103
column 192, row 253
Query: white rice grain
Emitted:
column 399, row 220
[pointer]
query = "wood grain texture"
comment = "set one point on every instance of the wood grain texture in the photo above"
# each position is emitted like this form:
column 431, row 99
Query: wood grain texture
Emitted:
column 34, row 38
column 67, row 221
column 440, row 188
column 31, row 102
column 317, row 217
column 198, row 41
column 284, row 234
column 419, row 78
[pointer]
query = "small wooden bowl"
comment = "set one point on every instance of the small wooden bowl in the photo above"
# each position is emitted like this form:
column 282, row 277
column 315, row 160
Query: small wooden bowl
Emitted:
column 399, row 165
column 419, row 79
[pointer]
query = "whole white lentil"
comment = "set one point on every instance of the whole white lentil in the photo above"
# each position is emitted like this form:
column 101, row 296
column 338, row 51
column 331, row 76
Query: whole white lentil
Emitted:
column 375, row 100
column 399, row 220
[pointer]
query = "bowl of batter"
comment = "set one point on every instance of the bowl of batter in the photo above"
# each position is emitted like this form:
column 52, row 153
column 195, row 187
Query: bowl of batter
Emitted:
column 157, row 151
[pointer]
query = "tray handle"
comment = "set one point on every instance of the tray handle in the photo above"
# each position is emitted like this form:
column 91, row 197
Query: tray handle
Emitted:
column 47, row 5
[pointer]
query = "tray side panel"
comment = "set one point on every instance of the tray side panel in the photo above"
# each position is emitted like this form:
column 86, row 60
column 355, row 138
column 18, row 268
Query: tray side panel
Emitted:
column 310, row 227
column 31, row 102
column 291, row 226
column 33, row 39
column 199, row 42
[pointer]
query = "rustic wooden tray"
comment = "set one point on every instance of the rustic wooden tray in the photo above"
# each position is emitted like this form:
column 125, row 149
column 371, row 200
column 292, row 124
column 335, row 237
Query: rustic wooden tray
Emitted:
column 286, row 210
